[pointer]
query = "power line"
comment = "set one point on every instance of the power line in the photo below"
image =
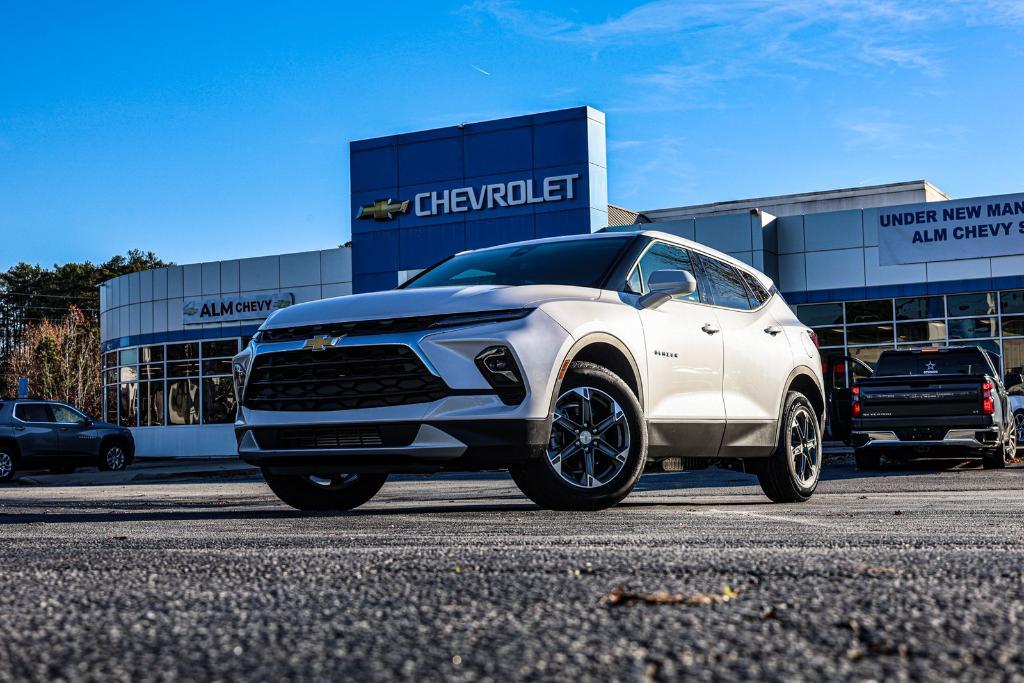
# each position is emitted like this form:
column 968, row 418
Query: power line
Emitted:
column 48, row 296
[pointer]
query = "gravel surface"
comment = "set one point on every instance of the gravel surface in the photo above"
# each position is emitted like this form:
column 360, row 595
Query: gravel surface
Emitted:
column 910, row 574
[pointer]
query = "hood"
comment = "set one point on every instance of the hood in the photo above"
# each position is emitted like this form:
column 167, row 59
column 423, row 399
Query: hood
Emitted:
column 401, row 303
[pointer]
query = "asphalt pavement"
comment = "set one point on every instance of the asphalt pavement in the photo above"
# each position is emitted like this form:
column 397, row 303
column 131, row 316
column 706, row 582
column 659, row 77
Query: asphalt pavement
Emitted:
column 912, row 573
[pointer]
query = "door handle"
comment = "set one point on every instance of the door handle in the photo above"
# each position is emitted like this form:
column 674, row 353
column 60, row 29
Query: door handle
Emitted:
column 773, row 330
column 710, row 329
column 63, row 429
column 19, row 428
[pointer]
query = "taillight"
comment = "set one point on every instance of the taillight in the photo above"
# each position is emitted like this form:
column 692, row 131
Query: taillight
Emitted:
column 814, row 338
column 988, row 406
column 855, row 393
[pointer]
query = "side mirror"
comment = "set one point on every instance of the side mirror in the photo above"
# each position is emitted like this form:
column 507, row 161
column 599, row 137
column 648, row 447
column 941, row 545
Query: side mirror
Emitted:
column 665, row 284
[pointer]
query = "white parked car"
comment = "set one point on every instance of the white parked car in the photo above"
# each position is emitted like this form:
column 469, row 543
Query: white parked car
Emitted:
column 571, row 362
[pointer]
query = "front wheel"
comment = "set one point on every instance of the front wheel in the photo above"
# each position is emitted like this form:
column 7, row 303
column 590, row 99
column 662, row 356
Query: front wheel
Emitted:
column 1018, row 424
column 321, row 493
column 791, row 473
column 598, row 444
column 7, row 468
column 114, row 458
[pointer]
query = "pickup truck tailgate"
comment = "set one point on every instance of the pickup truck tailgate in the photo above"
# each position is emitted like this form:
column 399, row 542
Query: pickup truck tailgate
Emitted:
column 938, row 396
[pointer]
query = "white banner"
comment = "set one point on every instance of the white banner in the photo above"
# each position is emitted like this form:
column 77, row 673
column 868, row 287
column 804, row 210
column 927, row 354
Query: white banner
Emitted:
column 950, row 231
column 237, row 307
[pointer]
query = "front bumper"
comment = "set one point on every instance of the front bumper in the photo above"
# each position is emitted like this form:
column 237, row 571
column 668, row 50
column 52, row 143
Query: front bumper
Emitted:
column 455, row 445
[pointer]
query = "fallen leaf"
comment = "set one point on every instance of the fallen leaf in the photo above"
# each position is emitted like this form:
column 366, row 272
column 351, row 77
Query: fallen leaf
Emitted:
column 620, row 596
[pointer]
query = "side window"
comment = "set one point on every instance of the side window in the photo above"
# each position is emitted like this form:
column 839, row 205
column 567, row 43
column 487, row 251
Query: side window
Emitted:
column 66, row 415
column 755, row 288
column 32, row 412
column 663, row 256
column 634, row 285
column 726, row 284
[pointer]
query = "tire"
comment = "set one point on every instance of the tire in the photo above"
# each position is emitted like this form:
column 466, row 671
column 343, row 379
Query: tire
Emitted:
column 867, row 459
column 997, row 458
column 113, row 457
column 791, row 473
column 8, row 465
column 312, row 493
column 1018, row 424
column 601, row 467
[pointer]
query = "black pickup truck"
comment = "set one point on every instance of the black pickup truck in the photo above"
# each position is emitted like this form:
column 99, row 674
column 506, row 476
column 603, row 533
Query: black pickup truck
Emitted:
column 943, row 402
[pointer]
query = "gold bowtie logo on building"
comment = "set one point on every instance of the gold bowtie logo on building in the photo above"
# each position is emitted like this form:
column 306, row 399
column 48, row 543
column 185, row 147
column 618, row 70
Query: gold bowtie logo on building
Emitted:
column 382, row 210
column 321, row 342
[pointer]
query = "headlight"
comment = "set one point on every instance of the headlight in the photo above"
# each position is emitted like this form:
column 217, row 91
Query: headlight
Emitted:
column 461, row 319
column 501, row 371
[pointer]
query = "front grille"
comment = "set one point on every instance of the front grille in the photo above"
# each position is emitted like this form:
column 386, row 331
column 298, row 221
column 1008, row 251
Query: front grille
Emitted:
column 336, row 436
column 341, row 378
column 360, row 328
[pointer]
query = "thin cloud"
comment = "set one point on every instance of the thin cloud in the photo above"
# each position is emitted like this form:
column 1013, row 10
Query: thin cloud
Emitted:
column 485, row 73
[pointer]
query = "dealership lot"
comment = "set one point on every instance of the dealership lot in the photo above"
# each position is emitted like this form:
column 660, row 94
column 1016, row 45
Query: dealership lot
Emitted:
column 911, row 572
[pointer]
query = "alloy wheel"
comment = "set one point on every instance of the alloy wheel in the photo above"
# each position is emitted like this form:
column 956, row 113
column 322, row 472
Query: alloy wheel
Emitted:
column 804, row 446
column 1018, row 422
column 6, row 466
column 116, row 459
column 590, row 438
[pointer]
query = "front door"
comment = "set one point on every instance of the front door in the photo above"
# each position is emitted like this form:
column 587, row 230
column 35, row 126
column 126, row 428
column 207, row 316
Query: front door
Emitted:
column 75, row 434
column 684, row 358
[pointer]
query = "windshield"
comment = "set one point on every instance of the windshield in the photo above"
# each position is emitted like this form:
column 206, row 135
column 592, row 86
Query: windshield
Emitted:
column 965, row 362
column 582, row 262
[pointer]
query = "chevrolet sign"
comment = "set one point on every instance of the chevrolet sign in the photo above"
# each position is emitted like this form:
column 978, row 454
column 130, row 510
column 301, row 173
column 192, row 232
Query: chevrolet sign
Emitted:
column 514, row 193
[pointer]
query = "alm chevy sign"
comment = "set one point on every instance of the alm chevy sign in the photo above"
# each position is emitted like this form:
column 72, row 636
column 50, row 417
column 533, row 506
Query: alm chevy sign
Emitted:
column 948, row 231
column 232, row 308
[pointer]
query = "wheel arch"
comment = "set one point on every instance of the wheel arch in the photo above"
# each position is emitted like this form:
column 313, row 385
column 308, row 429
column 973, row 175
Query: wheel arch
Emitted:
column 802, row 379
column 609, row 352
column 7, row 442
column 110, row 439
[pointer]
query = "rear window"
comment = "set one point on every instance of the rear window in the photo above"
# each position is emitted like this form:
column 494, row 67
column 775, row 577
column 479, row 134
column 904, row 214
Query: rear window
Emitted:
column 966, row 362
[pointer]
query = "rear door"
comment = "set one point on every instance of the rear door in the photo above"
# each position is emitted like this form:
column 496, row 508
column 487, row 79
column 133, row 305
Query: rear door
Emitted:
column 34, row 429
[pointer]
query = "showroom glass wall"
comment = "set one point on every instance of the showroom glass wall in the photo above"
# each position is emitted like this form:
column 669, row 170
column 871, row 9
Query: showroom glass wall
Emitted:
column 863, row 329
column 187, row 383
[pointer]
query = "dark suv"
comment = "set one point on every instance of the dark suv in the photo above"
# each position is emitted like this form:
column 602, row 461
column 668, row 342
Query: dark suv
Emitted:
column 38, row 434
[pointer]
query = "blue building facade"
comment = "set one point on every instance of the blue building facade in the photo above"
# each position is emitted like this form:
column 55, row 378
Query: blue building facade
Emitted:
column 420, row 197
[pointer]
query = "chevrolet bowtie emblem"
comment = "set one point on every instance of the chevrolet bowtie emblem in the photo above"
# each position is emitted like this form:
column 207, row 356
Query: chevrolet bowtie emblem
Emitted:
column 321, row 342
column 382, row 210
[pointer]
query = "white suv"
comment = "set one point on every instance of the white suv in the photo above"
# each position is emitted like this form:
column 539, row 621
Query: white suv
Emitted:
column 571, row 362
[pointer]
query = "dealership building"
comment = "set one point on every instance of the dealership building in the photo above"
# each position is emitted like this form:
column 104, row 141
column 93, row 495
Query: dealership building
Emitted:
column 869, row 268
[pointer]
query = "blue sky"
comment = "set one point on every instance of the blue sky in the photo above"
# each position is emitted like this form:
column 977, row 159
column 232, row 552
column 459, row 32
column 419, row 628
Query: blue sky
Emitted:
column 214, row 130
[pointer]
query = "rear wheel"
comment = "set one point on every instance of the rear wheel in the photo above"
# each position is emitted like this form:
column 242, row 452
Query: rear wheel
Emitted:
column 598, row 444
column 998, row 458
column 791, row 473
column 7, row 468
column 1018, row 423
column 320, row 493
column 867, row 459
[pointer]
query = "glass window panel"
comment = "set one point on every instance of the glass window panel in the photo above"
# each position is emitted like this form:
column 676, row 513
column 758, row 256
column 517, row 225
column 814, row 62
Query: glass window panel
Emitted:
column 931, row 330
column 67, row 414
column 972, row 328
column 869, row 354
column 1013, row 327
column 110, row 359
column 829, row 336
column 111, row 404
column 110, row 376
column 820, row 314
column 990, row 345
column 151, row 371
column 919, row 307
column 1012, row 302
column 150, row 354
column 663, row 256
column 874, row 311
column 1013, row 355
column 182, row 351
column 869, row 334
column 129, row 374
column 755, row 288
column 129, row 404
column 183, row 402
column 187, row 368
column 633, row 282
column 217, row 367
column 151, row 404
column 32, row 412
column 218, row 401
column 245, row 341
column 220, row 348
column 129, row 356
column 726, row 284
column 982, row 303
